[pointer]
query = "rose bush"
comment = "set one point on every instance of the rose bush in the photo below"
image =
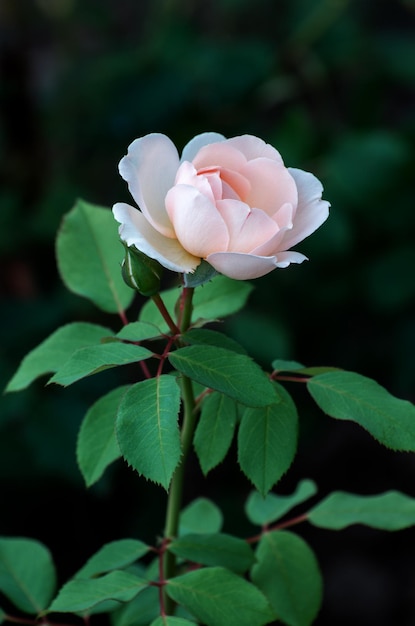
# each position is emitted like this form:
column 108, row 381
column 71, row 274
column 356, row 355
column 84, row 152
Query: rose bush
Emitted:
column 231, row 202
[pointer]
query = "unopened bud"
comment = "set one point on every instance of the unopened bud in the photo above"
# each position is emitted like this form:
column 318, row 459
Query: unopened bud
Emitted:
column 140, row 272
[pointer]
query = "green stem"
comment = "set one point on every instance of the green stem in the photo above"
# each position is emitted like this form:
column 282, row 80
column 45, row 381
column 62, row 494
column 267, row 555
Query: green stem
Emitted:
column 174, row 501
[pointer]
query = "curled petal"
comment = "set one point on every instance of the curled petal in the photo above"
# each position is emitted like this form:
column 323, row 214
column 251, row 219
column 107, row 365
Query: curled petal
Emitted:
column 271, row 185
column 312, row 211
column 242, row 266
column 219, row 154
column 284, row 220
column 150, row 168
column 193, row 146
column 284, row 259
column 136, row 230
column 253, row 148
column 248, row 228
column 198, row 225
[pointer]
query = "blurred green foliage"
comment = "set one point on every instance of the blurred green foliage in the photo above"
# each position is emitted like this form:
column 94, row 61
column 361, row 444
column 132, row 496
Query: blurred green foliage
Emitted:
column 330, row 83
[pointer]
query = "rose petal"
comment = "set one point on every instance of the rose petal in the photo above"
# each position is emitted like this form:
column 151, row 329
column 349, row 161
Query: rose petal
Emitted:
column 149, row 168
column 283, row 259
column 241, row 266
column 136, row 230
column 248, row 228
column 271, row 185
column 312, row 211
column 192, row 148
column 187, row 175
column 198, row 225
column 219, row 154
column 253, row 147
column 284, row 221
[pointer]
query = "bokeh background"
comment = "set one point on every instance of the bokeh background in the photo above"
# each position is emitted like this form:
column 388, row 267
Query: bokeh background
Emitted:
column 330, row 83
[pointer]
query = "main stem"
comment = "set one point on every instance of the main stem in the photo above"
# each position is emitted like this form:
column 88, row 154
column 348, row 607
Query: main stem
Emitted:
column 176, row 488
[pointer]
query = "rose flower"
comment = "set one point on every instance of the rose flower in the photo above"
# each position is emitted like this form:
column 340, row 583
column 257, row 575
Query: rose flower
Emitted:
column 231, row 202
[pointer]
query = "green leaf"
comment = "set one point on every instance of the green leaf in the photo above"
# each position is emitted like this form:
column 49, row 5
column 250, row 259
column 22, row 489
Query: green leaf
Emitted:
column 216, row 299
column 27, row 573
column 138, row 331
column 97, row 446
column 288, row 574
column 168, row 620
column 114, row 555
column 215, row 429
column 264, row 511
column 350, row 396
column 147, row 428
column 235, row 375
column 219, row 298
column 206, row 336
column 202, row 274
column 84, row 594
column 214, row 549
column 56, row 349
column 281, row 365
column 200, row 516
column 267, row 441
column 218, row 597
column 388, row 511
column 140, row 611
column 94, row 359
column 89, row 256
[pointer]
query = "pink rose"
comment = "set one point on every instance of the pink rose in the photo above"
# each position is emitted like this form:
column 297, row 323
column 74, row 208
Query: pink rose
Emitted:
column 229, row 201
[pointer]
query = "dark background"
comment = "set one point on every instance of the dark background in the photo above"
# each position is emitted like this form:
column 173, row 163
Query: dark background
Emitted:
column 331, row 84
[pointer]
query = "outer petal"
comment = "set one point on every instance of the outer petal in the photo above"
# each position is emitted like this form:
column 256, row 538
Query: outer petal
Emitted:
column 149, row 168
column 242, row 266
column 284, row 221
column 192, row 148
column 219, row 154
column 271, row 185
column 312, row 211
column 285, row 258
column 199, row 226
column 135, row 230
column 253, row 147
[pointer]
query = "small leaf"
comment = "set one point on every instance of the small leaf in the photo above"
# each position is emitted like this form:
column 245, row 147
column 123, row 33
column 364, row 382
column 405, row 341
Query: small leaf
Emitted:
column 114, row 555
column 203, row 273
column 56, row 349
column 27, row 573
column 140, row 611
column 388, row 511
column 263, row 511
column 89, row 256
column 218, row 597
column 138, row 331
column 94, row 359
column 147, row 428
column 200, row 516
column 84, row 594
column 168, row 620
column 281, row 365
column 206, row 336
column 267, row 441
column 216, row 299
column 288, row 574
column 214, row 549
column 350, row 396
column 97, row 446
column 235, row 375
column 219, row 298
column 215, row 429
